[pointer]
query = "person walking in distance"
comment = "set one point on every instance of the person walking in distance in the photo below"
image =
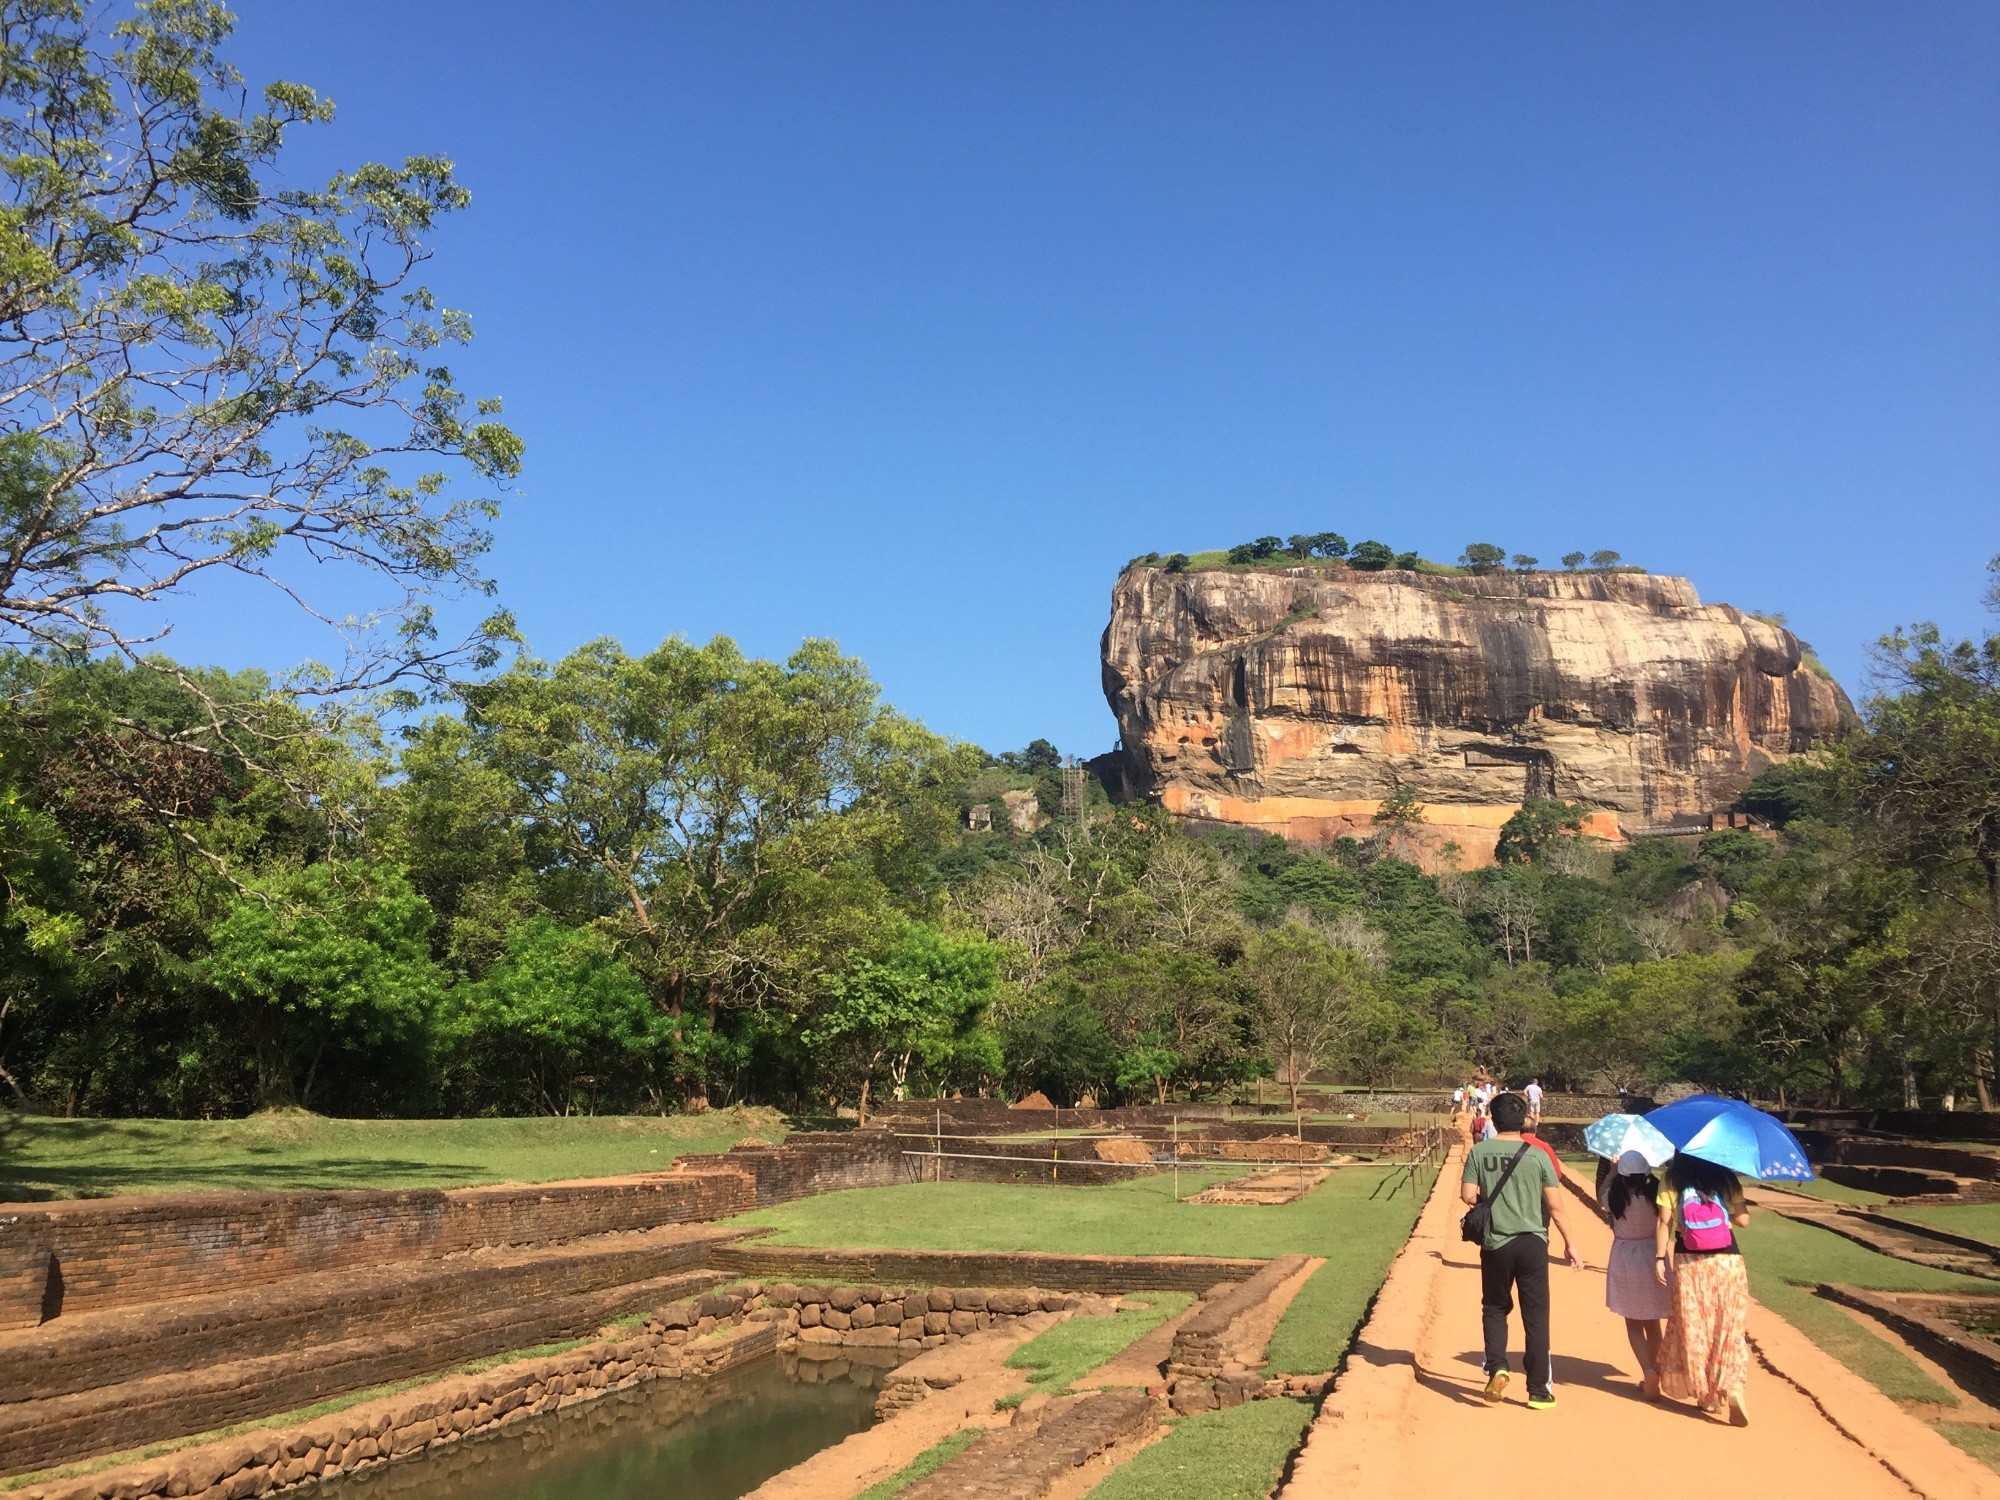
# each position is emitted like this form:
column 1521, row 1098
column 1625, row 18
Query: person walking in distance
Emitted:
column 1534, row 1093
column 1705, row 1356
column 1515, row 1184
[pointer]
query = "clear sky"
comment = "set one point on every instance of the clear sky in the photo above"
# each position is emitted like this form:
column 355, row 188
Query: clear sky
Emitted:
column 908, row 324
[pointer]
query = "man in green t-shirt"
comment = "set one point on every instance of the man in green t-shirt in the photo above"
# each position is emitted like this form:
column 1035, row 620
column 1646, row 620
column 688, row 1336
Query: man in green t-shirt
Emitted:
column 1516, row 1251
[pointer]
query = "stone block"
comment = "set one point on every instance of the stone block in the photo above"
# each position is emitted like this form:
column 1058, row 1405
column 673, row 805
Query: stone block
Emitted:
column 912, row 1328
column 833, row 1317
column 878, row 1336
column 962, row 1323
column 811, row 1292
column 916, row 1305
column 782, row 1294
column 936, row 1324
column 844, row 1298
column 968, row 1299
column 1190, row 1396
column 810, row 1314
column 820, row 1336
column 863, row 1316
column 938, row 1300
column 873, row 1294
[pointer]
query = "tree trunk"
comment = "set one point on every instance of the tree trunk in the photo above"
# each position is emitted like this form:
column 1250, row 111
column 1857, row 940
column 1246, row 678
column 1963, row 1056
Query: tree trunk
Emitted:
column 1292, row 1078
column 1909, row 1083
column 1982, row 1070
column 861, row 1110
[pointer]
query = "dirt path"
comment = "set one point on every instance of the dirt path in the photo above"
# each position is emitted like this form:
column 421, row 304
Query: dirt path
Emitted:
column 1406, row 1421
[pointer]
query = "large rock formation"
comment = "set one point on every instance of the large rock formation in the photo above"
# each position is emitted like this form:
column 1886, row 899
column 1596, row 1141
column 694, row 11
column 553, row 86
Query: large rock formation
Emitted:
column 1295, row 699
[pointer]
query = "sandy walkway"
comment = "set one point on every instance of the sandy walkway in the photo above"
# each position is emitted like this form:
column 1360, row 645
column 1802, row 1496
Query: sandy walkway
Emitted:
column 1404, row 1428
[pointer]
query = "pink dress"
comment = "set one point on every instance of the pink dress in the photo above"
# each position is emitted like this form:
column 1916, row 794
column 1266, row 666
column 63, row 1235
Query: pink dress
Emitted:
column 1630, row 1288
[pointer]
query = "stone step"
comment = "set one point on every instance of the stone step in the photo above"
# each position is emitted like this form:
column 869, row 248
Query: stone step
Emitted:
column 1026, row 1463
column 126, row 1414
column 81, row 1352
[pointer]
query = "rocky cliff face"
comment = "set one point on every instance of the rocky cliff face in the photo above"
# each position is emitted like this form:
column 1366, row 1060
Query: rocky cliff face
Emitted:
column 1296, row 699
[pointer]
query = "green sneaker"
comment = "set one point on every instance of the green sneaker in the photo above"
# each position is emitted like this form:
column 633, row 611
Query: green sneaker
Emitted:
column 1546, row 1401
column 1496, row 1385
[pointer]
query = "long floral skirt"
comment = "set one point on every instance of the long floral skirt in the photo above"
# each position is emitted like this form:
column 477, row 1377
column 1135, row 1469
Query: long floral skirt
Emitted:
column 1705, row 1356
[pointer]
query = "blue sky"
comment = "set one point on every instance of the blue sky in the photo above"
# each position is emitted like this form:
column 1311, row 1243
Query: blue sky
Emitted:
column 907, row 324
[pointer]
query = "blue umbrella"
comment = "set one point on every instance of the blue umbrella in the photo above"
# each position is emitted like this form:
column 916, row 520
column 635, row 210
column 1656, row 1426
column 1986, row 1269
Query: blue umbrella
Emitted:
column 1614, row 1135
column 1731, row 1134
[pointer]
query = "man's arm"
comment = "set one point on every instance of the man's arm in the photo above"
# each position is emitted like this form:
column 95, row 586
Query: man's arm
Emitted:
column 1552, row 1199
column 1468, row 1193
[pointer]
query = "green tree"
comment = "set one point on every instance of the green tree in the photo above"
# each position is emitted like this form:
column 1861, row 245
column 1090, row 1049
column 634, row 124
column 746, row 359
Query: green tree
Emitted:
column 1524, row 563
column 1482, row 557
column 1267, row 546
column 1605, row 559
column 557, row 1021
column 1371, row 556
column 1539, row 822
column 1308, row 993
column 1573, row 560
column 922, row 1000
column 207, row 370
column 334, row 955
column 1243, row 552
column 1330, row 544
column 740, row 823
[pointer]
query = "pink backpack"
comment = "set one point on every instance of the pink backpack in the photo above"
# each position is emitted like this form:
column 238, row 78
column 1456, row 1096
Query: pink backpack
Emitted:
column 1704, row 1223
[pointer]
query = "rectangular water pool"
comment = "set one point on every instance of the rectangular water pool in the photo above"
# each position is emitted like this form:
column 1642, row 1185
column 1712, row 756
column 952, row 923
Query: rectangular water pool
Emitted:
column 704, row 1439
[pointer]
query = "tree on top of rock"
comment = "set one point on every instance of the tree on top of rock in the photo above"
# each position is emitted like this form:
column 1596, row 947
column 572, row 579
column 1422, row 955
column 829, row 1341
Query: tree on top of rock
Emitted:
column 1482, row 557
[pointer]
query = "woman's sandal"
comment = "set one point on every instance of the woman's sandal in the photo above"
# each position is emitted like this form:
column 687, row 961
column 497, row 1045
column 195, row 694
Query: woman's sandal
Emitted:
column 1739, row 1412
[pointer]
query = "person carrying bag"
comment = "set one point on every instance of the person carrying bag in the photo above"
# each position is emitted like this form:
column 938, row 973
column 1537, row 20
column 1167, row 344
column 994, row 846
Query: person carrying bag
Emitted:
column 1512, row 1196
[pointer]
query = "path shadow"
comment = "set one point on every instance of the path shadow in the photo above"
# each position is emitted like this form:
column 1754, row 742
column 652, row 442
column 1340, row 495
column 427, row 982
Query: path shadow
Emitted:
column 1568, row 1369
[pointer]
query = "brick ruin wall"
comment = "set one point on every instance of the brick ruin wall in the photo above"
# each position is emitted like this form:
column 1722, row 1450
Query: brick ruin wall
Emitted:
column 96, row 1254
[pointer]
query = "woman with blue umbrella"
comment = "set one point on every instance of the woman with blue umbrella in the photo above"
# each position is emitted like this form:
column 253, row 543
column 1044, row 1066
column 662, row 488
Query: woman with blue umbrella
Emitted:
column 1706, row 1357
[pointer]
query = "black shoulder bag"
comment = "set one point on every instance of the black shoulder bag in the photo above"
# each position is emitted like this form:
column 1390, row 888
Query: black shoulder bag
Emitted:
column 1478, row 1219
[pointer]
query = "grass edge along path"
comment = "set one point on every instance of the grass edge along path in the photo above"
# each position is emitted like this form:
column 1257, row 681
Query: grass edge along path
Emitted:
column 1319, row 1327
column 1238, row 1454
column 1787, row 1259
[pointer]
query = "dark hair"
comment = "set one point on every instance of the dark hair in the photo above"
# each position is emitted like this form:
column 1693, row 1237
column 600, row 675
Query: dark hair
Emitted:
column 1706, row 1178
column 1624, row 1189
column 1509, row 1112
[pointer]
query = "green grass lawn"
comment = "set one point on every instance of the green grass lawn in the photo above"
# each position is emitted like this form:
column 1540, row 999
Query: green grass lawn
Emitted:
column 1076, row 1346
column 1787, row 1259
column 1358, row 1235
column 1834, row 1192
column 51, row 1158
column 1980, row 1220
column 1219, row 1455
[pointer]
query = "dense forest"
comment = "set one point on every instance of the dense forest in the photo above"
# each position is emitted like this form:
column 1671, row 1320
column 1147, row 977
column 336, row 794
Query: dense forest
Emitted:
column 615, row 882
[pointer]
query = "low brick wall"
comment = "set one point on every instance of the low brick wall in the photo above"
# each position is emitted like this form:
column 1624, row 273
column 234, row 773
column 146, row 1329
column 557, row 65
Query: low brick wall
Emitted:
column 372, row 1433
column 992, row 1268
column 690, row 1338
column 811, row 1163
column 114, row 1252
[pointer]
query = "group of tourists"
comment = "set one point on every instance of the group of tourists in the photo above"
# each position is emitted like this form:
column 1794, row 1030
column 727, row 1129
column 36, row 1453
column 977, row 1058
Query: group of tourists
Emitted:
column 1676, row 1274
column 1477, row 1098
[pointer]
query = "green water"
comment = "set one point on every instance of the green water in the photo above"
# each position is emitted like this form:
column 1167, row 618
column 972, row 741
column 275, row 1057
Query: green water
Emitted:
column 712, row 1439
